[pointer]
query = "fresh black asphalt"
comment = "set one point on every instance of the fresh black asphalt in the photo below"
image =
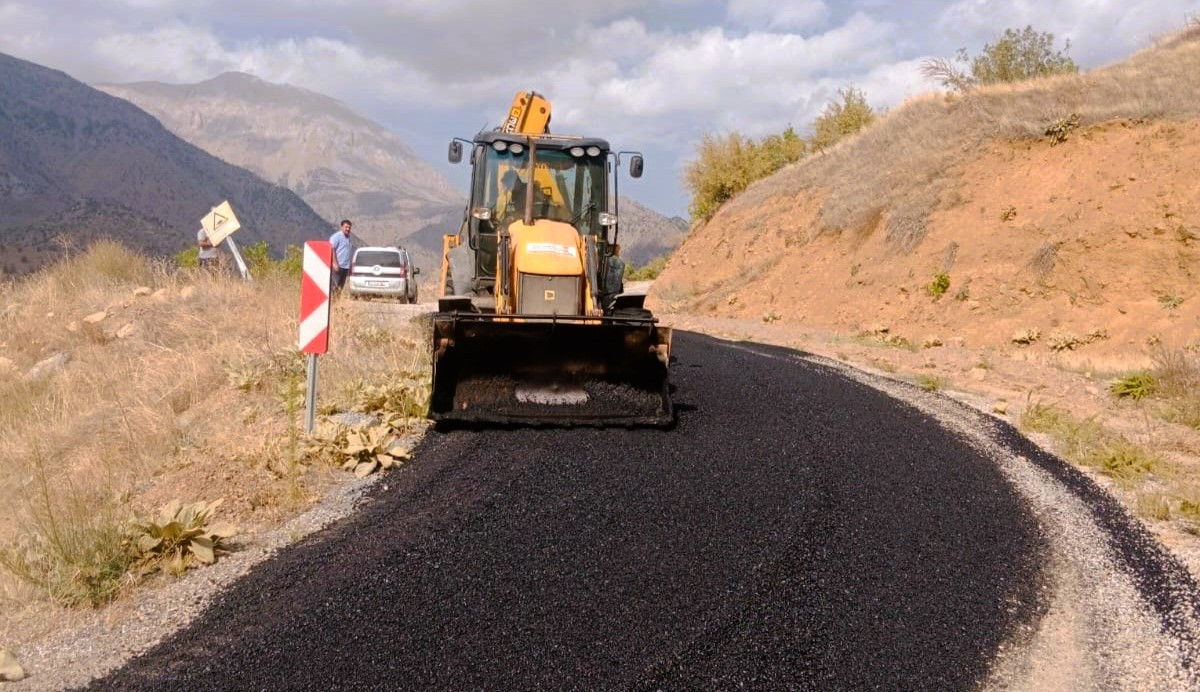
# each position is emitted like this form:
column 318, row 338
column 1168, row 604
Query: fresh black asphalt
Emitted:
column 795, row 530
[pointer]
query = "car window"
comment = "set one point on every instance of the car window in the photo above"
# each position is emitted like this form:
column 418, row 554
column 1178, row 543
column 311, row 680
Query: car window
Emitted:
column 383, row 258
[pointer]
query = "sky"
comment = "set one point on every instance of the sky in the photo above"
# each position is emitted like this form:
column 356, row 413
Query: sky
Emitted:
column 652, row 76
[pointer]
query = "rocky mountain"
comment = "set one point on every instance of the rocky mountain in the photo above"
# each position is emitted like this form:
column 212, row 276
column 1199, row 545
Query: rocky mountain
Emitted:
column 646, row 234
column 77, row 164
column 341, row 163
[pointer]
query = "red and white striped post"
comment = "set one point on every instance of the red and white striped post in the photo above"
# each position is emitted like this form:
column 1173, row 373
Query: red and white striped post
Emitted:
column 314, row 314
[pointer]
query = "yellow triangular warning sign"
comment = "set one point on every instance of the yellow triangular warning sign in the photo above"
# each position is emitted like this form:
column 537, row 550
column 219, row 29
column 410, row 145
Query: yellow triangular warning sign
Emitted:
column 220, row 223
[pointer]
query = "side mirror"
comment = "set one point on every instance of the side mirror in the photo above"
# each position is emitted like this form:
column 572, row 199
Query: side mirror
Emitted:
column 608, row 219
column 416, row 270
column 635, row 166
column 455, row 151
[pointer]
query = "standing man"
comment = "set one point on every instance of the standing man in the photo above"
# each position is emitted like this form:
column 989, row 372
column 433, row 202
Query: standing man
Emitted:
column 343, row 252
column 208, row 252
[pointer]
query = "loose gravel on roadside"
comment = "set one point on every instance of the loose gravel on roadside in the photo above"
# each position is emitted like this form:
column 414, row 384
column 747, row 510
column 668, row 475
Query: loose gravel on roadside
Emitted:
column 1123, row 612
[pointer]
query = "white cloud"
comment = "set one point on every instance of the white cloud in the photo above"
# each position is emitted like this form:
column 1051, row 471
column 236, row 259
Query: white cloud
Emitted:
column 1100, row 31
column 777, row 14
column 657, row 73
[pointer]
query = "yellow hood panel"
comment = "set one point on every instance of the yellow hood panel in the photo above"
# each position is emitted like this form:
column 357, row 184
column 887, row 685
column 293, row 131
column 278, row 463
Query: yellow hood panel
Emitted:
column 549, row 248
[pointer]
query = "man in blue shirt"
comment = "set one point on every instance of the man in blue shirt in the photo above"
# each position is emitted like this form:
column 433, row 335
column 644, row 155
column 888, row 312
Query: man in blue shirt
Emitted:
column 343, row 252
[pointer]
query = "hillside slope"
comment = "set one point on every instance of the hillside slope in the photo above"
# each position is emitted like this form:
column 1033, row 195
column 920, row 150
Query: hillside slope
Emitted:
column 77, row 163
column 341, row 163
column 1093, row 242
column 646, row 234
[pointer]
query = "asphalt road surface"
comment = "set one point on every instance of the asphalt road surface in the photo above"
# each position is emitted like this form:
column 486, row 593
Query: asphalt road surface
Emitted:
column 796, row 530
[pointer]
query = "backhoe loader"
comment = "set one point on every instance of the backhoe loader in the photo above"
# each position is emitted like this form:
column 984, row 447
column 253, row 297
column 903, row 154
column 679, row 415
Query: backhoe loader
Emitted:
column 533, row 325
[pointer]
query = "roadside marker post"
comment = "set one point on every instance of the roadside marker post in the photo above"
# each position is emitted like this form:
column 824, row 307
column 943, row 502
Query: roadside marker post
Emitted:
column 314, row 315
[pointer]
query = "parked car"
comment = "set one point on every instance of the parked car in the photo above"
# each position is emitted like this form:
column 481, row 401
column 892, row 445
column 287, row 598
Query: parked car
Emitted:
column 383, row 271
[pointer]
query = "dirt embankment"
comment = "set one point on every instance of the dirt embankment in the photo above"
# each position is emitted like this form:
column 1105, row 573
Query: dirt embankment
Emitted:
column 1096, row 238
column 1020, row 248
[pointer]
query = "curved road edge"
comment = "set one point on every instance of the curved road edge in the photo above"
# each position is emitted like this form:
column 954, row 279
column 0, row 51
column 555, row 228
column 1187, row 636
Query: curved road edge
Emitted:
column 1123, row 611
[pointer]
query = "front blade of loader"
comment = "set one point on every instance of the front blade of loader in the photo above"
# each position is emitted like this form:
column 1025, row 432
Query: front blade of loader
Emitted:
column 551, row 370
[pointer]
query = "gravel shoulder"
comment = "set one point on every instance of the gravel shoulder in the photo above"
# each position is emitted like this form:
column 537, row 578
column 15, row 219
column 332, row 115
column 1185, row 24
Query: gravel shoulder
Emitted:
column 1122, row 611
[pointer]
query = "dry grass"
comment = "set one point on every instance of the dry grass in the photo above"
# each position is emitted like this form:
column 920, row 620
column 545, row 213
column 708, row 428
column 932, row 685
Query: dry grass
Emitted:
column 1088, row 443
column 163, row 411
column 906, row 161
column 1177, row 381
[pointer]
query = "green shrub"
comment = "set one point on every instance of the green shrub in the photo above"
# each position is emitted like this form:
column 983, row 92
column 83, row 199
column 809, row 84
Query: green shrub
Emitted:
column 257, row 256
column 930, row 383
column 189, row 258
column 841, row 118
column 1136, row 386
column 1015, row 56
column 727, row 164
column 647, row 272
column 939, row 285
column 1020, row 55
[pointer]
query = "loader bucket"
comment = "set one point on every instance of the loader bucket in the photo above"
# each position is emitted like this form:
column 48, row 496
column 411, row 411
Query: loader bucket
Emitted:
column 550, row 370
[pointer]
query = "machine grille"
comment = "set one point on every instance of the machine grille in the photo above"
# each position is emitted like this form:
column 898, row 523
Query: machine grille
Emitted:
column 549, row 295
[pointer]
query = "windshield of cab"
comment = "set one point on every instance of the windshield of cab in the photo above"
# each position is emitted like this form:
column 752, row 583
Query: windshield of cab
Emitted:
column 566, row 188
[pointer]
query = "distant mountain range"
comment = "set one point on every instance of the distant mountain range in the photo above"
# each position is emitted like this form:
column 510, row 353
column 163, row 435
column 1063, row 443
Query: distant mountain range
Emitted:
column 341, row 163
column 77, row 164
column 645, row 234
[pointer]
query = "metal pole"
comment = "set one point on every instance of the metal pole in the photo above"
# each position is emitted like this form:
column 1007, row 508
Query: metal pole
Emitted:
column 311, row 406
column 237, row 257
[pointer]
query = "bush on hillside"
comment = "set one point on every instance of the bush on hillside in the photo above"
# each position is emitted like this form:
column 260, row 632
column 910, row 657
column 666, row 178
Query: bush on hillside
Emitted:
column 727, row 164
column 1014, row 57
column 842, row 117
column 649, row 271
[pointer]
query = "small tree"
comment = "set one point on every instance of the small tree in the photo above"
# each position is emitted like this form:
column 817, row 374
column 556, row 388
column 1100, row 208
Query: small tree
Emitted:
column 842, row 117
column 1020, row 55
column 722, row 168
column 1014, row 57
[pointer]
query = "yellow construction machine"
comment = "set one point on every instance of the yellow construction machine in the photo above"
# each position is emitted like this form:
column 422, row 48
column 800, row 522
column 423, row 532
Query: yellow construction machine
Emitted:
column 533, row 324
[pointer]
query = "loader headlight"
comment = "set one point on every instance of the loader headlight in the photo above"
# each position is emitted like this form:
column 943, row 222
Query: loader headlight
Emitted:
column 516, row 149
column 500, row 145
column 593, row 151
column 576, row 151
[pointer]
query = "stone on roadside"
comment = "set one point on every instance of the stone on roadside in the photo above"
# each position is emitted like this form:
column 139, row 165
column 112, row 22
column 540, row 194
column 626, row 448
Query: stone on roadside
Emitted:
column 127, row 330
column 48, row 367
column 7, row 367
column 10, row 670
column 932, row 342
column 160, row 295
column 96, row 317
column 1000, row 407
column 187, row 292
column 142, row 291
column 72, row 326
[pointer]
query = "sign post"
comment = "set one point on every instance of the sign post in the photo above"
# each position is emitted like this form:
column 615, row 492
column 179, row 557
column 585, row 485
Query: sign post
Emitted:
column 314, row 315
column 219, row 224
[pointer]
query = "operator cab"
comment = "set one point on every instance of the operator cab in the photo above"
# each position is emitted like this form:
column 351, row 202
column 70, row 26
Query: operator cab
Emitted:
column 570, row 185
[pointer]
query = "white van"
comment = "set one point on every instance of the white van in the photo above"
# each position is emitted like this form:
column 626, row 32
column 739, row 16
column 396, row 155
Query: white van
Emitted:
column 383, row 271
